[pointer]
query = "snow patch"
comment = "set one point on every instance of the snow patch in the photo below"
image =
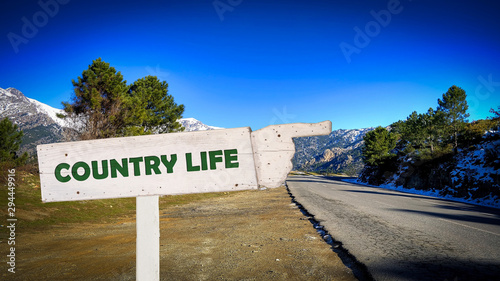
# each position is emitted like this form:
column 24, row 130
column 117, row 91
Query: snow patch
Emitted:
column 5, row 93
column 192, row 124
column 50, row 111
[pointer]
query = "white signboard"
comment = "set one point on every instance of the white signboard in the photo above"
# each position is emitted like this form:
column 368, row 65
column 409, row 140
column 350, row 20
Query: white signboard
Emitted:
column 176, row 163
column 191, row 162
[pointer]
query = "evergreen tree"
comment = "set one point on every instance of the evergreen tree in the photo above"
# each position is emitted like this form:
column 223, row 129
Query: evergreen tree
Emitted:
column 378, row 146
column 454, row 108
column 495, row 112
column 104, row 106
column 152, row 109
column 98, row 105
column 414, row 132
column 10, row 141
column 433, row 124
column 496, row 117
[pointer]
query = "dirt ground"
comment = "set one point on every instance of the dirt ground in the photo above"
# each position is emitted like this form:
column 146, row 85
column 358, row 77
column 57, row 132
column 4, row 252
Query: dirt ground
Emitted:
column 250, row 235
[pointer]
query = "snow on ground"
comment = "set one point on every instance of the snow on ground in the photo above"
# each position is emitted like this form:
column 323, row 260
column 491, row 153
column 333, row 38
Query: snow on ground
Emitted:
column 489, row 201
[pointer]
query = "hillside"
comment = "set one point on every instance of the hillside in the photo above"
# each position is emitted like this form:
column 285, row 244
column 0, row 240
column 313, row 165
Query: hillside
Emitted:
column 339, row 152
column 472, row 175
column 38, row 121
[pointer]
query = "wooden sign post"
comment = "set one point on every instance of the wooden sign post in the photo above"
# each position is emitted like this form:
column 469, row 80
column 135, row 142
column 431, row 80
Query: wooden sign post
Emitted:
column 167, row 164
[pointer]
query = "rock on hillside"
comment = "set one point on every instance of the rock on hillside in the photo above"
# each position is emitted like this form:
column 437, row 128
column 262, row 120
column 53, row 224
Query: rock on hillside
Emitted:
column 37, row 120
column 339, row 152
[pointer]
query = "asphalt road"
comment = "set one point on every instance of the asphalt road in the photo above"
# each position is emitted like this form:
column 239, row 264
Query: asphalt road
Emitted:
column 402, row 236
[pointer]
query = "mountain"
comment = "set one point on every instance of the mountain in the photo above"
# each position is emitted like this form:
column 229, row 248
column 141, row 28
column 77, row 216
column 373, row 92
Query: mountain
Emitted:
column 26, row 112
column 40, row 124
column 339, row 152
column 191, row 124
column 37, row 120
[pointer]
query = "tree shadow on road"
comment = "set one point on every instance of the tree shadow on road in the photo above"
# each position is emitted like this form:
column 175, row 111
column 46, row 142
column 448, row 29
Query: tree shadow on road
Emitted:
column 455, row 217
column 450, row 269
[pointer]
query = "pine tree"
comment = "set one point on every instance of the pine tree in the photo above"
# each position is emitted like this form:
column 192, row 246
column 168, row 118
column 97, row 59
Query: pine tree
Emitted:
column 378, row 145
column 104, row 106
column 97, row 109
column 415, row 132
column 10, row 141
column 496, row 117
column 495, row 112
column 152, row 109
column 454, row 108
column 433, row 128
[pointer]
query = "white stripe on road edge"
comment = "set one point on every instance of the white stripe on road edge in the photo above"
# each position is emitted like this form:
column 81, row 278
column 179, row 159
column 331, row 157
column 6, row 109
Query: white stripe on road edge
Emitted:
column 475, row 228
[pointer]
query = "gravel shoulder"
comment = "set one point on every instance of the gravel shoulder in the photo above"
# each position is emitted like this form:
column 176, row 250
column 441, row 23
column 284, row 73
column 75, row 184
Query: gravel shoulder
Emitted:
column 249, row 235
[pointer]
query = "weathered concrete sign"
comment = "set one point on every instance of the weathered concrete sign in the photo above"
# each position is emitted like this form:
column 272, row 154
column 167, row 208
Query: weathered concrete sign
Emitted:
column 176, row 163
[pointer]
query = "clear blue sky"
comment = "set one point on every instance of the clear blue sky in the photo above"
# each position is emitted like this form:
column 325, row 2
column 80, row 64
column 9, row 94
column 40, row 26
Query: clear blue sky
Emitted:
column 236, row 63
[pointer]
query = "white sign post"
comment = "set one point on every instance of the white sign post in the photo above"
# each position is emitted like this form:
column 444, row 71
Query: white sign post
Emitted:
column 148, row 238
column 177, row 163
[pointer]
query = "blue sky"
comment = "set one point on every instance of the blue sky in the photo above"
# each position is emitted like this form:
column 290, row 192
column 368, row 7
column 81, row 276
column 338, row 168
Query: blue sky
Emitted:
column 236, row 63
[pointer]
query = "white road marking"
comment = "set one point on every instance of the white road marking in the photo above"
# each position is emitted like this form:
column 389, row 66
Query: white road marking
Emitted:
column 475, row 228
column 386, row 204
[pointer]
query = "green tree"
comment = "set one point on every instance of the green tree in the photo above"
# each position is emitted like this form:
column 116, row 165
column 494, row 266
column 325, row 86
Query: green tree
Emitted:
column 454, row 108
column 474, row 132
column 495, row 112
column 10, row 141
column 496, row 117
column 97, row 110
column 152, row 109
column 420, row 134
column 414, row 130
column 378, row 146
column 433, row 124
column 105, row 106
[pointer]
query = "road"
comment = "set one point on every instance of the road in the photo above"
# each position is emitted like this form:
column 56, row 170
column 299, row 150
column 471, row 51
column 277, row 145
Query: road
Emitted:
column 402, row 236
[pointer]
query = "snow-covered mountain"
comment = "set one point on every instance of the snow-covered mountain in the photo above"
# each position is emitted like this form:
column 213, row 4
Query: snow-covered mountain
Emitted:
column 38, row 121
column 191, row 124
column 40, row 124
column 25, row 112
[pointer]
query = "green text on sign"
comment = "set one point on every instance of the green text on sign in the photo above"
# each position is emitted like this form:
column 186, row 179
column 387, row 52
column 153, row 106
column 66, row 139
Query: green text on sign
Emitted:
column 81, row 171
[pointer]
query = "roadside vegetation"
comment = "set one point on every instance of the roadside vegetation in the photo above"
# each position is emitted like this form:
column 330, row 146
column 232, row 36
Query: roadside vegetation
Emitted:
column 424, row 151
